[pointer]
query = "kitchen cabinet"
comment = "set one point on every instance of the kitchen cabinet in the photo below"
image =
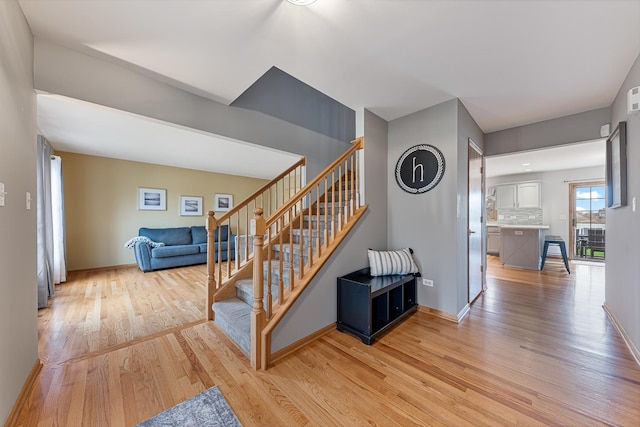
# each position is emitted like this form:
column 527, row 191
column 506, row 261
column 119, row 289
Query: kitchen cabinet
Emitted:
column 506, row 196
column 493, row 240
column 528, row 194
column 522, row 245
column 519, row 195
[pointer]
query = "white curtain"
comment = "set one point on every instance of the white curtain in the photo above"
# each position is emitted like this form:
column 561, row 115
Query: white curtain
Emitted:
column 57, row 215
column 50, row 213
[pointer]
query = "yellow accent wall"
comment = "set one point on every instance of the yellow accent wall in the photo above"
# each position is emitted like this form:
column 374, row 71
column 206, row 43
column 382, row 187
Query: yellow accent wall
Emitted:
column 101, row 204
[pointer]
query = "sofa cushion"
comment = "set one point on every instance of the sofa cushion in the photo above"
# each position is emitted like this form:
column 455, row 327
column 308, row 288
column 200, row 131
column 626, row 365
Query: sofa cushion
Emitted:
column 174, row 250
column 224, row 231
column 168, row 236
column 224, row 246
column 199, row 234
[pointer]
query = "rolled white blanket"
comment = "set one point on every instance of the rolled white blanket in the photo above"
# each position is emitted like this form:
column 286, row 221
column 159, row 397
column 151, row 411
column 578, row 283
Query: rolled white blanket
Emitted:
column 132, row 242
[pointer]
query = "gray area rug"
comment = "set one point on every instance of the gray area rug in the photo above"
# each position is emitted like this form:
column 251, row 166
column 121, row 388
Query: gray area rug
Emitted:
column 208, row 408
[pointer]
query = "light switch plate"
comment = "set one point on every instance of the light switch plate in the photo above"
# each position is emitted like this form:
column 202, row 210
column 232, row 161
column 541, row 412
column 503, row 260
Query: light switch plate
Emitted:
column 28, row 200
column 2, row 193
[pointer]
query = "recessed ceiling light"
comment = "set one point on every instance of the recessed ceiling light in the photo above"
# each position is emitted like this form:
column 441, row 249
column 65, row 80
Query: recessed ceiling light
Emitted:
column 526, row 164
column 301, row 2
column 528, row 170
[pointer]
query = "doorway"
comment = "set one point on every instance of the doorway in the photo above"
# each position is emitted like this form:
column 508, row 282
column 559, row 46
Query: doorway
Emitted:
column 475, row 194
column 588, row 220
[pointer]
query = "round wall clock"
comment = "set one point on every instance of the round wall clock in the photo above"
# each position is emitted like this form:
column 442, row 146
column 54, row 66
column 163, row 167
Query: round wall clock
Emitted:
column 420, row 168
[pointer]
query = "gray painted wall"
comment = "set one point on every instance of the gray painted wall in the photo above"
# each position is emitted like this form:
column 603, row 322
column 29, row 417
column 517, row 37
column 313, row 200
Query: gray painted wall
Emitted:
column 428, row 222
column 18, row 305
column 281, row 95
column 316, row 306
column 622, row 293
column 59, row 70
column 554, row 195
column 564, row 130
column 434, row 224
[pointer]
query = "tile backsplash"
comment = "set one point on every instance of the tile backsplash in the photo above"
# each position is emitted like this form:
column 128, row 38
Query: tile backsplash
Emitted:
column 521, row 216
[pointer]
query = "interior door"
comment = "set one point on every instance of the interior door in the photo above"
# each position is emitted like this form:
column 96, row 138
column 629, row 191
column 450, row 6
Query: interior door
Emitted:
column 476, row 233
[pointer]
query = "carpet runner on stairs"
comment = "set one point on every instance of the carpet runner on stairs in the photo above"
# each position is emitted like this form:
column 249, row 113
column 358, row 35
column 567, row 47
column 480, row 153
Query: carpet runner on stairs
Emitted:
column 234, row 315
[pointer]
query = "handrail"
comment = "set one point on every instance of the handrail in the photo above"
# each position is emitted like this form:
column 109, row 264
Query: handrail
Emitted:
column 232, row 229
column 357, row 144
column 261, row 190
column 319, row 216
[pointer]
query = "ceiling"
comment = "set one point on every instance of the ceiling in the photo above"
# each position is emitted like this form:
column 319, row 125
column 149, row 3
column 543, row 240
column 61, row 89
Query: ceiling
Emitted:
column 510, row 63
column 81, row 127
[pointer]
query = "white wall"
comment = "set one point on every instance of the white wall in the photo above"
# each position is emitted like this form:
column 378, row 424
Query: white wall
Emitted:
column 18, row 305
column 554, row 195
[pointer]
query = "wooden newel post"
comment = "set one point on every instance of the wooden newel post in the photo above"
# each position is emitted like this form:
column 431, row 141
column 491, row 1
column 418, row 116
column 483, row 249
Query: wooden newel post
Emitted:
column 212, row 224
column 258, row 314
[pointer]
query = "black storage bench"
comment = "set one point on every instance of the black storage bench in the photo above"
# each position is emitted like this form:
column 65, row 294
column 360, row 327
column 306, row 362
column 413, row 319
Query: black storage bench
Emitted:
column 369, row 306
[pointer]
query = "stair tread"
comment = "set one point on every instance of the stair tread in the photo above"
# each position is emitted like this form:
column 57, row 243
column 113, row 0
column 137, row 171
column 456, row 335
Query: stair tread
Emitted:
column 286, row 248
column 243, row 282
column 305, row 232
column 276, row 263
column 234, row 317
column 246, row 289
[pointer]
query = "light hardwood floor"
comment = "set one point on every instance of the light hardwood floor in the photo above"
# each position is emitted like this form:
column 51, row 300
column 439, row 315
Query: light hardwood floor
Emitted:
column 535, row 349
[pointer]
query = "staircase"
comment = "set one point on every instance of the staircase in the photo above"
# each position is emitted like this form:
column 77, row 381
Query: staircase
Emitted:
column 289, row 247
column 233, row 314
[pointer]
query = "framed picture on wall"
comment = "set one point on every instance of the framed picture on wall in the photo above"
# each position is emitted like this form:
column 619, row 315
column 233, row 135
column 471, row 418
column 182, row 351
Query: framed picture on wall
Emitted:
column 617, row 167
column 222, row 202
column 152, row 199
column 190, row 206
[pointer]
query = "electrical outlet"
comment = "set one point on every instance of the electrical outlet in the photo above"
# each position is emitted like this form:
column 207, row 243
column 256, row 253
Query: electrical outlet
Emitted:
column 427, row 282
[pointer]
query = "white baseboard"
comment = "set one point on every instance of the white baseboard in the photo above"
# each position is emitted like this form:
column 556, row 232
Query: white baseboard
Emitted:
column 623, row 333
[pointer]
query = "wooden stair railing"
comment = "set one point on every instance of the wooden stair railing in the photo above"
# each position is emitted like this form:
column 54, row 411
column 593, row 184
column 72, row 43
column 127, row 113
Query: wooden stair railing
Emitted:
column 324, row 211
column 270, row 198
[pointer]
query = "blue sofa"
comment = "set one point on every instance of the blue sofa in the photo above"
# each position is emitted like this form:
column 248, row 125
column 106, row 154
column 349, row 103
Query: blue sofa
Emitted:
column 182, row 246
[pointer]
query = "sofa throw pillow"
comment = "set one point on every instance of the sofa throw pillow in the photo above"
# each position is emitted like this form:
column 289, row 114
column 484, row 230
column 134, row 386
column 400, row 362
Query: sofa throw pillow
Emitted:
column 385, row 263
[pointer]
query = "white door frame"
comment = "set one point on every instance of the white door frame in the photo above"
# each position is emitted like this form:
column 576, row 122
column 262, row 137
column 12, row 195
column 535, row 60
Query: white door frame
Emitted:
column 476, row 253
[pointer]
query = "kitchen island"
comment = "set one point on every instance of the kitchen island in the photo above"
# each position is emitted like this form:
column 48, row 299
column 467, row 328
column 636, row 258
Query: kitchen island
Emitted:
column 521, row 245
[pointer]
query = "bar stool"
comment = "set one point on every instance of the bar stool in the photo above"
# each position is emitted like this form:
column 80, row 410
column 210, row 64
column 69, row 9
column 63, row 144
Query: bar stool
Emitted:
column 555, row 240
